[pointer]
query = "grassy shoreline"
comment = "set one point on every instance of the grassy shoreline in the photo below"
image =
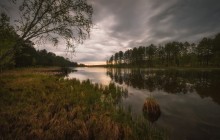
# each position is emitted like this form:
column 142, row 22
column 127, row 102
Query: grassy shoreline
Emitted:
column 38, row 105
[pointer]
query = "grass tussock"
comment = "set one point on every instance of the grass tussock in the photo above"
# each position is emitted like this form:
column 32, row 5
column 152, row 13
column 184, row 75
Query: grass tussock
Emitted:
column 151, row 109
column 39, row 106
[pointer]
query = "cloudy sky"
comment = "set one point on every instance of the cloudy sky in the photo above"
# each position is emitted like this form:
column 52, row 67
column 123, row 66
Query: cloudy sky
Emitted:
column 123, row 24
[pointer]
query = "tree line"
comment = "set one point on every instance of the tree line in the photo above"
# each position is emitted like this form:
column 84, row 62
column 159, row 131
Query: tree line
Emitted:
column 30, row 57
column 42, row 21
column 205, row 53
column 26, row 55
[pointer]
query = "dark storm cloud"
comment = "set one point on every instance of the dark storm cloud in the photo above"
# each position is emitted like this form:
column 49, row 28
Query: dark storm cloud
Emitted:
column 124, row 24
column 128, row 16
column 186, row 19
column 160, row 19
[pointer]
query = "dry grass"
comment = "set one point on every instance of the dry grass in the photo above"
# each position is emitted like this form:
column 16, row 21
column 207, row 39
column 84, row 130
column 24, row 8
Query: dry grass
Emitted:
column 38, row 106
column 151, row 109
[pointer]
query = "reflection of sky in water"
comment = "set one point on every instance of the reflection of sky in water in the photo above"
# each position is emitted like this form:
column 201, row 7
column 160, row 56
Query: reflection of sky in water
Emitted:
column 96, row 75
column 189, row 113
column 186, row 116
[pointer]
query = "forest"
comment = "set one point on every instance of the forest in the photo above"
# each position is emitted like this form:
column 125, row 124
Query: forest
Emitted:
column 30, row 57
column 26, row 55
column 205, row 53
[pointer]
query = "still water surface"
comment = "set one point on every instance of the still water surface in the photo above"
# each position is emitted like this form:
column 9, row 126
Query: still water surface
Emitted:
column 189, row 100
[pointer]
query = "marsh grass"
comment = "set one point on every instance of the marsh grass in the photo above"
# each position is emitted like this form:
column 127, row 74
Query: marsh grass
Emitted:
column 38, row 106
column 151, row 109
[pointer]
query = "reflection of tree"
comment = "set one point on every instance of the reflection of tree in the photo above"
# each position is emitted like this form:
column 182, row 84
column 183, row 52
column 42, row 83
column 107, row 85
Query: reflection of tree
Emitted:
column 205, row 83
column 208, row 85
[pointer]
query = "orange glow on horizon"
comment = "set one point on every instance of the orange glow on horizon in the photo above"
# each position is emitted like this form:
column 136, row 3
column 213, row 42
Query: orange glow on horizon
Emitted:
column 93, row 63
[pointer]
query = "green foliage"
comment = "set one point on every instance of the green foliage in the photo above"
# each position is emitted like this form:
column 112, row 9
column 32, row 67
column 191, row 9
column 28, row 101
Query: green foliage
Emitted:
column 172, row 54
column 38, row 106
column 205, row 50
column 44, row 20
column 7, row 40
column 28, row 56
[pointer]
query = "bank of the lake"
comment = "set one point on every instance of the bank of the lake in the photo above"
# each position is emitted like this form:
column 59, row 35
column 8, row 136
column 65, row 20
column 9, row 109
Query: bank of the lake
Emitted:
column 40, row 104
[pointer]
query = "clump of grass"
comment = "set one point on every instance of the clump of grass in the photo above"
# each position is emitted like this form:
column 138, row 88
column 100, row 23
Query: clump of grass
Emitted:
column 151, row 109
column 39, row 106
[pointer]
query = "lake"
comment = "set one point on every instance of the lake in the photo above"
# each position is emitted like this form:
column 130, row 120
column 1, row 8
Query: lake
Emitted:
column 189, row 100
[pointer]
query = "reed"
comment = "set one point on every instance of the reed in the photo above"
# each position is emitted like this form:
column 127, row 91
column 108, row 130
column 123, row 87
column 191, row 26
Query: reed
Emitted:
column 151, row 109
column 39, row 106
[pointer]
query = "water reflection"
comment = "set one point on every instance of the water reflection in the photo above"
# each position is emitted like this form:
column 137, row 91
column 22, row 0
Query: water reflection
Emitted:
column 96, row 75
column 188, row 100
column 205, row 83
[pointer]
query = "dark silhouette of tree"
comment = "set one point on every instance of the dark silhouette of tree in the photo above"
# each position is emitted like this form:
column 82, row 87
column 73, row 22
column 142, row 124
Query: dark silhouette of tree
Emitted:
column 49, row 20
column 134, row 56
column 161, row 55
column 116, row 58
column 7, row 40
column 120, row 56
column 205, row 53
column 216, row 49
column 139, row 56
column 111, row 60
column 127, row 57
column 28, row 56
column 168, row 52
column 150, row 53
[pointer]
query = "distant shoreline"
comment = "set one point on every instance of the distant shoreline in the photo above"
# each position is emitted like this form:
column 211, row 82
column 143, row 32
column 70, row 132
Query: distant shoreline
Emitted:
column 105, row 66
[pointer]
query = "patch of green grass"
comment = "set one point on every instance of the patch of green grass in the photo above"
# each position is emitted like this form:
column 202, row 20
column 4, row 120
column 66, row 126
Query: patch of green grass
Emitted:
column 39, row 106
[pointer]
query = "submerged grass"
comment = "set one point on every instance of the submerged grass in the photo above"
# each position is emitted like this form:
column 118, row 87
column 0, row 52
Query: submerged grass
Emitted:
column 39, row 106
